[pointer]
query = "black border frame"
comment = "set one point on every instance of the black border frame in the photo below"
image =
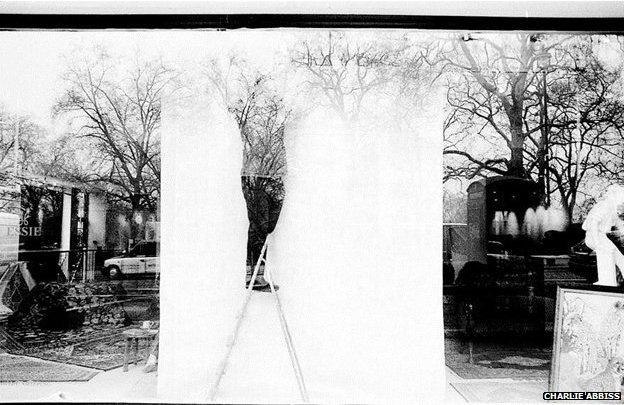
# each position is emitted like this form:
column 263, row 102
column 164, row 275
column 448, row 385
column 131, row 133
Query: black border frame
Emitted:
column 608, row 25
column 137, row 21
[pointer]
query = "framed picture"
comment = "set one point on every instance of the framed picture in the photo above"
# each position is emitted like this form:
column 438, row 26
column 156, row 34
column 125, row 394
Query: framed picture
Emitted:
column 588, row 346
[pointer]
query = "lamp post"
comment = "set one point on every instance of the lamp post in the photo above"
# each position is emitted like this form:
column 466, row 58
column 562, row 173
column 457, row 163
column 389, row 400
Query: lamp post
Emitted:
column 16, row 148
column 543, row 62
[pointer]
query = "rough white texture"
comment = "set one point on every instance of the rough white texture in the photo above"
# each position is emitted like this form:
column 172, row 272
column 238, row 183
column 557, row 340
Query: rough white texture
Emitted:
column 357, row 256
column 203, row 245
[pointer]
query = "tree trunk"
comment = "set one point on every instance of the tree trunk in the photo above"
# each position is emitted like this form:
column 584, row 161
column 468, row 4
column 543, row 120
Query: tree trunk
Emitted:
column 567, row 202
column 135, row 227
column 570, row 206
column 516, row 163
column 516, row 166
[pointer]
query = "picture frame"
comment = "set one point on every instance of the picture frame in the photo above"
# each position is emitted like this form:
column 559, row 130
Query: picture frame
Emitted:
column 588, row 340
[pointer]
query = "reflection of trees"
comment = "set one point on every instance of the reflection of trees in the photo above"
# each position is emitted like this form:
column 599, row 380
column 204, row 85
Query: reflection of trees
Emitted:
column 27, row 157
column 586, row 117
column 489, row 94
column 29, row 136
column 9, row 195
column 41, row 207
column 345, row 73
column 536, row 106
column 362, row 78
column 261, row 116
column 118, row 114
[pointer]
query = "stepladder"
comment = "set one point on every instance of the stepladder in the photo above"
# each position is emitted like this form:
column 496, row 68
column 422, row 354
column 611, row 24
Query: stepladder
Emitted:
column 240, row 318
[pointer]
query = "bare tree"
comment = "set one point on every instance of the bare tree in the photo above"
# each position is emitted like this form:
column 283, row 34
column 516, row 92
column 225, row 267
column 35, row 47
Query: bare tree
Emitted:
column 548, row 113
column 586, row 117
column 261, row 116
column 19, row 134
column 25, row 150
column 259, row 112
column 119, row 113
column 492, row 85
column 349, row 72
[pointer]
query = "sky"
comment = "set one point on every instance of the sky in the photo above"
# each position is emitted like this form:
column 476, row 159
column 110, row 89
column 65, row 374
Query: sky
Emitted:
column 33, row 62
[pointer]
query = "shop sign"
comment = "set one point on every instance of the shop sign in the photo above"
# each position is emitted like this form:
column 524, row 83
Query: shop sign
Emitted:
column 23, row 229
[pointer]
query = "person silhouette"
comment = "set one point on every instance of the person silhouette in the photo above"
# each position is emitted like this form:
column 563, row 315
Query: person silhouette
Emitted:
column 99, row 255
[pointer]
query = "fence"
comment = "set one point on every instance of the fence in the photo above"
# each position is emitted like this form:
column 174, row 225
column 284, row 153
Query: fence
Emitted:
column 75, row 265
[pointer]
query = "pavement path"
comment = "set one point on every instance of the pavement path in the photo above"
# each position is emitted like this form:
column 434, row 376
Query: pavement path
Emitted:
column 259, row 370
column 111, row 386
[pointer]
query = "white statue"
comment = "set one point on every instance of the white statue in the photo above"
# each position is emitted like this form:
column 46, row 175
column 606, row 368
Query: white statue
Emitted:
column 601, row 218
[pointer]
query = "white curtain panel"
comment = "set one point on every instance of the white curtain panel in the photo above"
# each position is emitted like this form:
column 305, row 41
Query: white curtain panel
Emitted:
column 357, row 256
column 204, row 240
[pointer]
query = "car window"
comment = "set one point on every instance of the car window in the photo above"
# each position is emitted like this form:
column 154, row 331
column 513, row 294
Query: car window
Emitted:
column 138, row 250
column 150, row 249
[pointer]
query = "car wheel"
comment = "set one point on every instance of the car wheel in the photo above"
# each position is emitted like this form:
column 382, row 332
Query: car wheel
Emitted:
column 113, row 272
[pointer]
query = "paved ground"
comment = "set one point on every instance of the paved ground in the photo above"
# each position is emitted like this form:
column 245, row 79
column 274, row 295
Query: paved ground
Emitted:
column 501, row 390
column 241, row 384
column 133, row 386
column 110, row 386
column 495, row 388
column 244, row 384
column 451, row 394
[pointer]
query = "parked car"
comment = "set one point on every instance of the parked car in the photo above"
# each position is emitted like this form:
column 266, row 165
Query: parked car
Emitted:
column 496, row 247
column 142, row 258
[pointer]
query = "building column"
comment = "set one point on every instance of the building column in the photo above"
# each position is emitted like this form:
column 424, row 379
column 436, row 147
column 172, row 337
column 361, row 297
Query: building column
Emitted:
column 66, row 229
